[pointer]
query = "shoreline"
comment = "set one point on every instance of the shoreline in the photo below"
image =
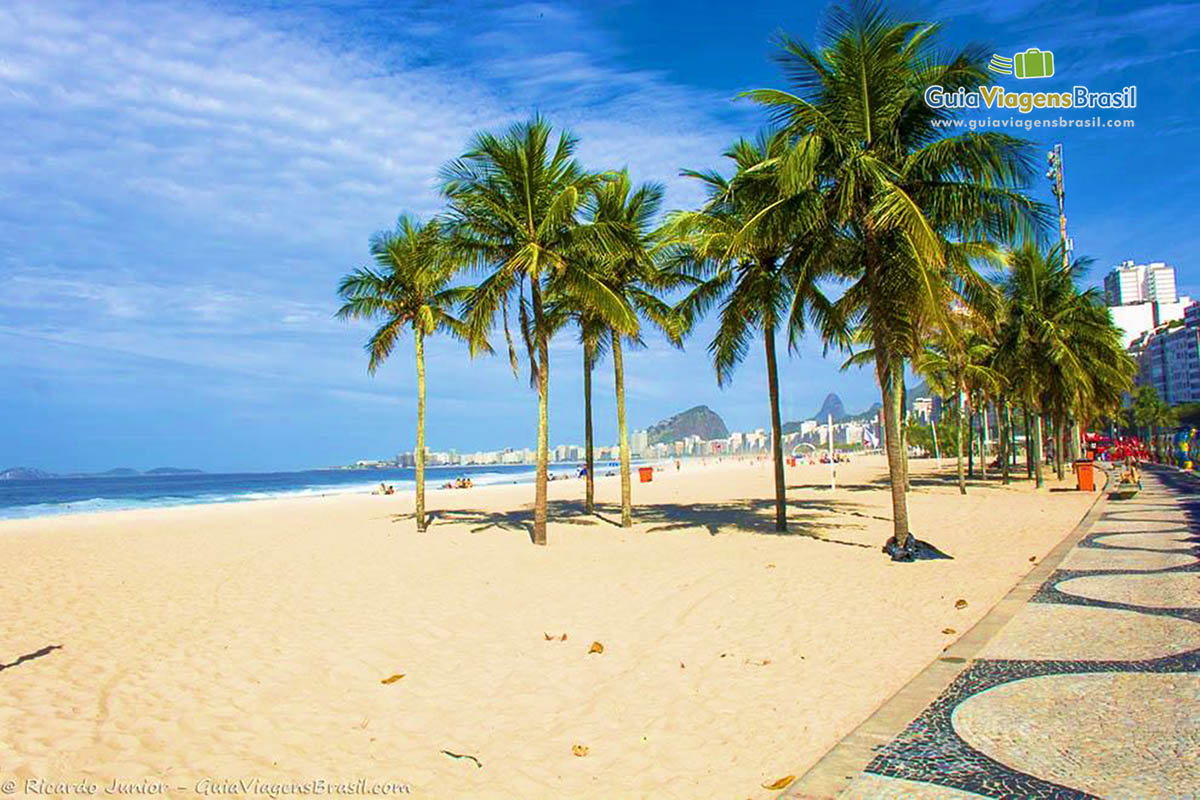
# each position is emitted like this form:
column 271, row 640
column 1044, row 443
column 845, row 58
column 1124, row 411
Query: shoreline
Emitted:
column 354, row 490
column 256, row 495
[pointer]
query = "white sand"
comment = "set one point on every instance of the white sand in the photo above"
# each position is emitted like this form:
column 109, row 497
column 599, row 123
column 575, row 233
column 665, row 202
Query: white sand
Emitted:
column 248, row 640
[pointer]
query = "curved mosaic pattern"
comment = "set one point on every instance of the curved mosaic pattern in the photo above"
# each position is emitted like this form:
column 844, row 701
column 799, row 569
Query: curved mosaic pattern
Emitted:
column 1047, row 727
column 1173, row 541
column 1045, row 632
column 1058, row 707
column 1155, row 591
column 1094, row 559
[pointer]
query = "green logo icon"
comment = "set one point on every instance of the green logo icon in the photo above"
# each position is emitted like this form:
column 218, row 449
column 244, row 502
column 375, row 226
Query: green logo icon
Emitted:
column 1033, row 63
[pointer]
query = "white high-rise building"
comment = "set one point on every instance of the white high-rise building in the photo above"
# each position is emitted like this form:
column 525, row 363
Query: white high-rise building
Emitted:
column 1160, row 284
column 1130, row 283
column 1141, row 297
column 1125, row 285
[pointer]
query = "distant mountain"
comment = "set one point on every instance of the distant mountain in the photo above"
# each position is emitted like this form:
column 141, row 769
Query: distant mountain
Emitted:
column 23, row 474
column 863, row 416
column 30, row 474
column 832, row 405
column 700, row 421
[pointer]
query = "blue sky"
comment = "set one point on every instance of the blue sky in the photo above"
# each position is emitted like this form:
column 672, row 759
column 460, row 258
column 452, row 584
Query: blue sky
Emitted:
column 183, row 184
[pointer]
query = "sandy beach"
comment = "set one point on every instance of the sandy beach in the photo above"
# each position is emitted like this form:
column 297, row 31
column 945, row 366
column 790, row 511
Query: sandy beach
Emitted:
column 249, row 641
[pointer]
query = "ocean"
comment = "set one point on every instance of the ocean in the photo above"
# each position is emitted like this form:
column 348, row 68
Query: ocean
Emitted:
column 48, row 496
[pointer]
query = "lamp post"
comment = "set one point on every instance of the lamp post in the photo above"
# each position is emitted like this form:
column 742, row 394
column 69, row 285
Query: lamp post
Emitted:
column 1055, row 175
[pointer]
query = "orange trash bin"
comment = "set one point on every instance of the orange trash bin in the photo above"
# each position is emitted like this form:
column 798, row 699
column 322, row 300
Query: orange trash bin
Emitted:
column 1085, row 475
column 646, row 474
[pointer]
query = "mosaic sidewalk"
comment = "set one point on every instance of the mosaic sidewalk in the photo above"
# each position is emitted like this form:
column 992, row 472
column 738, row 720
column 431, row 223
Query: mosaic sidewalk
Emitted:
column 1090, row 690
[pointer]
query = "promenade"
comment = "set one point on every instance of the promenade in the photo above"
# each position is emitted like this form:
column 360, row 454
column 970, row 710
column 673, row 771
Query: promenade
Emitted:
column 1084, row 682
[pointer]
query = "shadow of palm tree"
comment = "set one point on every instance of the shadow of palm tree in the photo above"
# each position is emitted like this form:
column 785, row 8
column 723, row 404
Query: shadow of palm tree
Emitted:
column 927, row 481
column 568, row 512
column 807, row 518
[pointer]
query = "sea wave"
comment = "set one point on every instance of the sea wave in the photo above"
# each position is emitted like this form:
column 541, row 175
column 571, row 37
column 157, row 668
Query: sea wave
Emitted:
column 437, row 478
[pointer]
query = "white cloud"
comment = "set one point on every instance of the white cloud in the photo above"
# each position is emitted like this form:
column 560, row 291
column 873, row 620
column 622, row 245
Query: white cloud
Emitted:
column 183, row 185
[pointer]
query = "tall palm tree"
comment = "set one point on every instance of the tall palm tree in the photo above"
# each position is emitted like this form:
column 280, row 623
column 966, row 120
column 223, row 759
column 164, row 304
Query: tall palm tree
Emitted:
column 1058, row 347
column 514, row 200
column 592, row 332
column 569, row 311
column 952, row 363
column 1151, row 412
column 409, row 288
column 633, row 273
column 896, row 185
column 752, row 247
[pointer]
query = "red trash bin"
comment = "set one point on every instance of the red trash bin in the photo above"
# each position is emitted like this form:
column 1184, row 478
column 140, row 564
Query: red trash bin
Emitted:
column 1085, row 475
column 645, row 474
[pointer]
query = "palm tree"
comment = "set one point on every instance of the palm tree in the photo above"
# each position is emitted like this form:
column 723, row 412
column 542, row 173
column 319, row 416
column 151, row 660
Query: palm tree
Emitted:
column 633, row 273
column 752, row 248
column 592, row 336
column 1151, row 412
column 564, row 311
column 897, row 187
column 953, row 363
column 408, row 289
column 513, row 205
column 1058, row 347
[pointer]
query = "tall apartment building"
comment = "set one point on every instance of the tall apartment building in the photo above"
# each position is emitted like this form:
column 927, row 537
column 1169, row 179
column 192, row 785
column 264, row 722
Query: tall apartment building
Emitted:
column 1129, row 283
column 1141, row 297
column 1169, row 358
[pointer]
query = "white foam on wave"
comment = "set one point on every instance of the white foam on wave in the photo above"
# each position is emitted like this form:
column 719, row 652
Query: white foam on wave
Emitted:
column 102, row 504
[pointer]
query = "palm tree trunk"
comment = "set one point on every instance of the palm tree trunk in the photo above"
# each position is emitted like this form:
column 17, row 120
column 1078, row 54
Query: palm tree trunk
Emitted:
column 1004, row 421
column 1037, row 458
column 776, row 427
column 1060, row 436
column 983, row 437
column 622, row 432
column 970, row 439
column 1028, row 444
column 543, row 442
column 958, row 444
column 589, row 502
column 1012, row 435
column 419, row 340
column 891, row 433
column 903, row 422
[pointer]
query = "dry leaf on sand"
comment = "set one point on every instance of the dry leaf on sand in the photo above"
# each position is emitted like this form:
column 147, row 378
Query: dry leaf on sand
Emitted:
column 782, row 783
column 596, row 648
column 392, row 678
